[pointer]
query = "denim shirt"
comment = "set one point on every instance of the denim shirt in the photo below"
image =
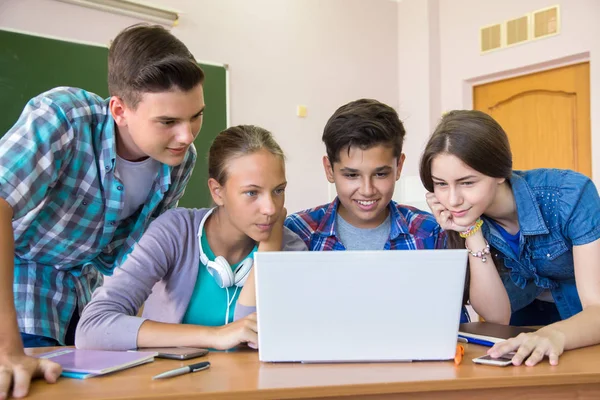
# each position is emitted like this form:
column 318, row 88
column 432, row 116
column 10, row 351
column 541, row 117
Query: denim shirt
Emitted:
column 557, row 209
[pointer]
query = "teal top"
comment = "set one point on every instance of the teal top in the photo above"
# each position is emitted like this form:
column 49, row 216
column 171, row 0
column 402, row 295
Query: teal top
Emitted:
column 208, row 304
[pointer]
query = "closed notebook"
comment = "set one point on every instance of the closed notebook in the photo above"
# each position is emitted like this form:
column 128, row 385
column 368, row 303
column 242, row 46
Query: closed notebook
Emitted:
column 82, row 364
column 490, row 332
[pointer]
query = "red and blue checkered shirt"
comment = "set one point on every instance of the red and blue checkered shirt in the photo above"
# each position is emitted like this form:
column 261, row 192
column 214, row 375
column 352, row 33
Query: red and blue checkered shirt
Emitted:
column 411, row 228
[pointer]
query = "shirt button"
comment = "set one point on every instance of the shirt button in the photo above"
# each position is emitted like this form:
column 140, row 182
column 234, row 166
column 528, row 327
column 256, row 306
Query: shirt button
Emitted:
column 120, row 187
column 107, row 167
column 112, row 223
column 85, row 203
column 548, row 255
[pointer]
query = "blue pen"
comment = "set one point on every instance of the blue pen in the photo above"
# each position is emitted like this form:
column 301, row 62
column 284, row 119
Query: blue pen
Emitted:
column 477, row 341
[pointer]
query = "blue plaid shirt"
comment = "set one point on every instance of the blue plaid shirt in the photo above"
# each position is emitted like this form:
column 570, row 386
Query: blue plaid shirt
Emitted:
column 57, row 171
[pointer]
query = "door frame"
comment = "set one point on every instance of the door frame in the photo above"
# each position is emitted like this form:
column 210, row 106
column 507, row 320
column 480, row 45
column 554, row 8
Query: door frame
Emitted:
column 469, row 84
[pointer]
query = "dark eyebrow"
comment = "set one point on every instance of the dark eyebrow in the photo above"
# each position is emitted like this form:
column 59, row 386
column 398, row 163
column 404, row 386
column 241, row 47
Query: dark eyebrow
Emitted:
column 384, row 168
column 351, row 170
column 167, row 118
column 464, row 178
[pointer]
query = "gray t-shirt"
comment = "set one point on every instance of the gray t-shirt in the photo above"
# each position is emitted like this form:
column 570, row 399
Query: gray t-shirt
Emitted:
column 138, row 179
column 355, row 238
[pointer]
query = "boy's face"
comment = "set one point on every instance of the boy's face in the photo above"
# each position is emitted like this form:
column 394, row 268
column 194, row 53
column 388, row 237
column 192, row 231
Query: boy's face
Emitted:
column 253, row 195
column 364, row 181
column 162, row 126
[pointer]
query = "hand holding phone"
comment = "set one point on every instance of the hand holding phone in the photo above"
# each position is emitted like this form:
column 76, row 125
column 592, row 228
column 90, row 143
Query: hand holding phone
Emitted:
column 501, row 361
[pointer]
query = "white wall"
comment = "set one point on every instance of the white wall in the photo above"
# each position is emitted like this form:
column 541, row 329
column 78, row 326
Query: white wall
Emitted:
column 418, row 89
column 281, row 53
column 416, row 55
column 461, row 63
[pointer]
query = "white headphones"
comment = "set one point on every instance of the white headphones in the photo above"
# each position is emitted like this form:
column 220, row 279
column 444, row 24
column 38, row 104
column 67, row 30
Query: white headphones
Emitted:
column 220, row 268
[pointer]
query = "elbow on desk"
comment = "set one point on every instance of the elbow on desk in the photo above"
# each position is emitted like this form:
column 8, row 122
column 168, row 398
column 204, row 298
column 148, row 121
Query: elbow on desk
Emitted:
column 107, row 331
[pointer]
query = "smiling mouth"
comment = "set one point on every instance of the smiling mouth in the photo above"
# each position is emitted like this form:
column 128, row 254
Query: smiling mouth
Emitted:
column 366, row 202
column 462, row 212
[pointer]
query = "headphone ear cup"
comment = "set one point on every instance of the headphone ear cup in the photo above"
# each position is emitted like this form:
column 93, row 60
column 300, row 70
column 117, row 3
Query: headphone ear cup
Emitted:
column 243, row 271
column 221, row 271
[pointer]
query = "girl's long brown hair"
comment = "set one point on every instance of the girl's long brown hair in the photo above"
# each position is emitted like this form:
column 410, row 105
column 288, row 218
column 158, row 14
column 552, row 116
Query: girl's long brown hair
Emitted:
column 477, row 140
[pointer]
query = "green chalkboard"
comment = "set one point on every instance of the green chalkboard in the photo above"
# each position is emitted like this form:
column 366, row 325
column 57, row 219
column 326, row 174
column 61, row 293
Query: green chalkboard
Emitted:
column 30, row 65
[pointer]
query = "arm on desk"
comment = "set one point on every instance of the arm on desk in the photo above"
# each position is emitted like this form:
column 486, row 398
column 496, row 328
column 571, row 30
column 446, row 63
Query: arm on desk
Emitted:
column 15, row 366
column 580, row 330
column 110, row 321
column 157, row 334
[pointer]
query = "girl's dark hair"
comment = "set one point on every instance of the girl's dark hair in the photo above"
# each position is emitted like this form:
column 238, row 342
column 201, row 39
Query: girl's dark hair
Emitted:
column 477, row 140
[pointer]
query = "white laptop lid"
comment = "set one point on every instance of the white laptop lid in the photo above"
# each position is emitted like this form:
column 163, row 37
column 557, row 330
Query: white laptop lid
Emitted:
column 344, row 306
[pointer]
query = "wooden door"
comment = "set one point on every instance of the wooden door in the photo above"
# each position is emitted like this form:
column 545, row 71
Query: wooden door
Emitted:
column 546, row 116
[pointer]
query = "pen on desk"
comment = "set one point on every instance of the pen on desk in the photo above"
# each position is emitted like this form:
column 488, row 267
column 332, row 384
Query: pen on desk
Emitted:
column 476, row 341
column 183, row 370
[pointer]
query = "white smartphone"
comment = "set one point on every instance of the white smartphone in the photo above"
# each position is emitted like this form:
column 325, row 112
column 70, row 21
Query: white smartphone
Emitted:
column 175, row 353
column 501, row 361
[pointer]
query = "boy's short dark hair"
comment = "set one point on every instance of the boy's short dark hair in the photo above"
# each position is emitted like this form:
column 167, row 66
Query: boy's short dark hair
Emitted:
column 149, row 59
column 363, row 123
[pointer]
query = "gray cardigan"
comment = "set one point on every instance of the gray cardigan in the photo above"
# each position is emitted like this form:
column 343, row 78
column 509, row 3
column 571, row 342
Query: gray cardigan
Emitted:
column 161, row 272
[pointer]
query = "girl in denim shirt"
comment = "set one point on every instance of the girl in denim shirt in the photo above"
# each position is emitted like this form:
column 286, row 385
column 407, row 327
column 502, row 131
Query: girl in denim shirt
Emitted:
column 532, row 236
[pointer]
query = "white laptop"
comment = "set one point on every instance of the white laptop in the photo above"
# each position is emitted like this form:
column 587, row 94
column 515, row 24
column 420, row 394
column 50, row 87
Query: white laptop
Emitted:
column 359, row 306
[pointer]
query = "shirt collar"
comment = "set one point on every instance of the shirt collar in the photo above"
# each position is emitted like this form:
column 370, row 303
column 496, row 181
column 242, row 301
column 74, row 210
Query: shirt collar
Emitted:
column 530, row 217
column 327, row 227
column 399, row 224
column 108, row 142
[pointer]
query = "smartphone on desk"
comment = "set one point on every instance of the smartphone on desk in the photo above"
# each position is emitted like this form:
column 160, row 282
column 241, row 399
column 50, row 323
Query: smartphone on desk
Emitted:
column 501, row 361
column 175, row 353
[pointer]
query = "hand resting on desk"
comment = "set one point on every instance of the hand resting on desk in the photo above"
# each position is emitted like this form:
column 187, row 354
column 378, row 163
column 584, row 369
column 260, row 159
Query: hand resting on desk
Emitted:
column 20, row 369
column 532, row 347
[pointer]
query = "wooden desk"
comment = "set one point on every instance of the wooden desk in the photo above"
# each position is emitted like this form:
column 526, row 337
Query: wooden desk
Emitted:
column 239, row 375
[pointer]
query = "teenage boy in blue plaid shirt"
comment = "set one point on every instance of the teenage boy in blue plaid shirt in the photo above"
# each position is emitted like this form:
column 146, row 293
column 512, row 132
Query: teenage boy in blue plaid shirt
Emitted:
column 81, row 177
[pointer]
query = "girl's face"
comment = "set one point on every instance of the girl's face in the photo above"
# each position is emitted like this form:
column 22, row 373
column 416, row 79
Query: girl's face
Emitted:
column 466, row 193
column 254, row 193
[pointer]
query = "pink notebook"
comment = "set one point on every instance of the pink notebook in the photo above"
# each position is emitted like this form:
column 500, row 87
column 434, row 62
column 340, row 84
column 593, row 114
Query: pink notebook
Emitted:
column 83, row 364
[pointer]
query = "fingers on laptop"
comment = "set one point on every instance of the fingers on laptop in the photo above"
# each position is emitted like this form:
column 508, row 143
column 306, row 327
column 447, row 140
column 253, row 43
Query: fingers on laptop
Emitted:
column 239, row 332
column 251, row 332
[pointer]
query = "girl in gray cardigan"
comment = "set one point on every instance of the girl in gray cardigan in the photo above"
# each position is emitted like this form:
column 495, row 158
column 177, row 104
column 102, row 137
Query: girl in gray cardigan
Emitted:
column 189, row 267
